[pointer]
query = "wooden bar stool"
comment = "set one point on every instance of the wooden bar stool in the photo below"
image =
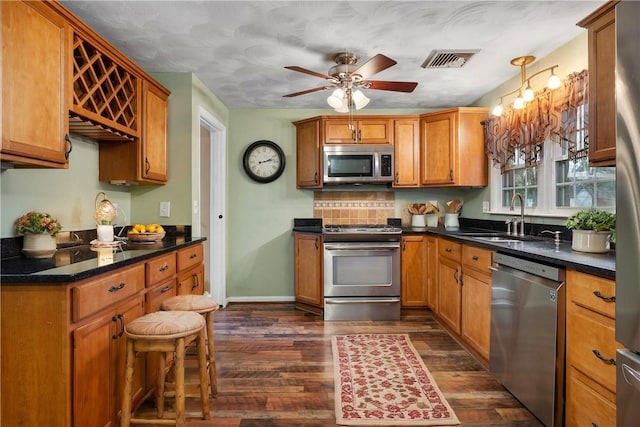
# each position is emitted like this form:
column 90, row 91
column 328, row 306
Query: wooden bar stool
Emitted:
column 165, row 332
column 206, row 307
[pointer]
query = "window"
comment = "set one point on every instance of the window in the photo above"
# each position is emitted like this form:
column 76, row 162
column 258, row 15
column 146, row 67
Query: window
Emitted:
column 561, row 183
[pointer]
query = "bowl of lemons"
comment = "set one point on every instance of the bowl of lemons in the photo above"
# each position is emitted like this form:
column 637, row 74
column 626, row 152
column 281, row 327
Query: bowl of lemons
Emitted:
column 146, row 233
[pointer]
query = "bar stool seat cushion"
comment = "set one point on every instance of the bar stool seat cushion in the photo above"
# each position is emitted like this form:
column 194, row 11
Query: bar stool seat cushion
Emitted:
column 197, row 303
column 164, row 325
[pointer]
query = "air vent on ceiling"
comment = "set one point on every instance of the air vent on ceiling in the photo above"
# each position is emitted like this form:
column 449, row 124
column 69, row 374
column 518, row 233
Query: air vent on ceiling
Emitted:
column 448, row 58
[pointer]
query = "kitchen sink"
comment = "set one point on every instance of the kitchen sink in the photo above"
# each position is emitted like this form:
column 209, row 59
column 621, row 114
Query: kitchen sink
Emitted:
column 499, row 239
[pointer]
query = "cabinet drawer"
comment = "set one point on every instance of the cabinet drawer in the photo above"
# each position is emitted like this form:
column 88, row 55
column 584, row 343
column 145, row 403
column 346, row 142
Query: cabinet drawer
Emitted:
column 586, row 407
column 477, row 258
column 96, row 294
column 159, row 293
column 591, row 337
column 189, row 256
column 161, row 268
column 592, row 292
column 449, row 249
column 192, row 281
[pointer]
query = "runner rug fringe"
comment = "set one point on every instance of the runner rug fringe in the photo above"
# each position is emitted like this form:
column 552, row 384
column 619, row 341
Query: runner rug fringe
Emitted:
column 380, row 379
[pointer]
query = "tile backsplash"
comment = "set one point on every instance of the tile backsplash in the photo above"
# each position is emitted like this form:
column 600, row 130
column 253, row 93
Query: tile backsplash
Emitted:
column 343, row 207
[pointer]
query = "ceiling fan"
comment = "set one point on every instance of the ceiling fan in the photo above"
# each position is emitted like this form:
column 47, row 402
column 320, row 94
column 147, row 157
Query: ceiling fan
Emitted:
column 347, row 77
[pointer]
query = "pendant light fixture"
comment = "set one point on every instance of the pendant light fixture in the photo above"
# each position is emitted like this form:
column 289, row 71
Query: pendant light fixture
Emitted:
column 524, row 91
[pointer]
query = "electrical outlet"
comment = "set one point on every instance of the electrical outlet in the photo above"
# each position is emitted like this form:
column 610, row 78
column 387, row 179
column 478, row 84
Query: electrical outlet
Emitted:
column 165, row 209
column 485, row 207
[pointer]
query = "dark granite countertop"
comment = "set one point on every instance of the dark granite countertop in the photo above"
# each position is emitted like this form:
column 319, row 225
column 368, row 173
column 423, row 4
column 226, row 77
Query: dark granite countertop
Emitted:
column 81, row 262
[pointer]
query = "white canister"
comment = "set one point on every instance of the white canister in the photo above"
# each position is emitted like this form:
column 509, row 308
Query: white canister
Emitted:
column 417, row 220
column 105, row 233
column 451, row 221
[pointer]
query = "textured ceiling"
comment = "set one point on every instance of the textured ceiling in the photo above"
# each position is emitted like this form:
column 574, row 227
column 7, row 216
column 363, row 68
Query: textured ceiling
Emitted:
column 239, row 48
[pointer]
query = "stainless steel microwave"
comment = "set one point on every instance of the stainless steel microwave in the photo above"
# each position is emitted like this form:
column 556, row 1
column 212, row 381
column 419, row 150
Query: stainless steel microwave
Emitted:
column 357, row 164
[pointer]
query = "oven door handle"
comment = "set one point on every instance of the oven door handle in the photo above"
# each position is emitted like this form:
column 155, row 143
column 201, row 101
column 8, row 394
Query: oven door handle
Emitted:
column 359, row 247
column 359, row 300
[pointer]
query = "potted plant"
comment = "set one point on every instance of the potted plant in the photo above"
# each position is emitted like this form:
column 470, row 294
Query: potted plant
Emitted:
column 592, row 229
column 39, row 230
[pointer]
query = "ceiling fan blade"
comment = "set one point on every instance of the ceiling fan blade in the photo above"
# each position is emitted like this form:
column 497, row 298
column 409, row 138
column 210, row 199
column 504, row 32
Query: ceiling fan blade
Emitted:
column 305, row 71
column 393, row 86
column 374, row 65
column 315, row 89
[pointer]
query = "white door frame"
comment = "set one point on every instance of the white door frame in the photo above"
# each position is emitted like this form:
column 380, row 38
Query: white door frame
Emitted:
column 217, row 214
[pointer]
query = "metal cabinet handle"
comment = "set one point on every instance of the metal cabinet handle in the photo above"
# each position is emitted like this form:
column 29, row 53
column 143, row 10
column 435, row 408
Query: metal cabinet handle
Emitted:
column 164, row 268
column 195, row 282
column 118, row 318
column 166, row 289
column 117, row 288
column 447, row 249
column 602, row 297
column 475, row 257
column 315, row 242
column 359, row 134
column 315, row 178
column 66, row 154
column 455, row 276
column 147, row 166
column 599, row 355
column 193, row 255
column 450, row 174
column 397, row 178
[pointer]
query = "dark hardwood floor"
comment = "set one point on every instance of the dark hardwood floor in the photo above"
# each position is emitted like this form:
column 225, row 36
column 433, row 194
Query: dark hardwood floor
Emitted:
column 274, row 368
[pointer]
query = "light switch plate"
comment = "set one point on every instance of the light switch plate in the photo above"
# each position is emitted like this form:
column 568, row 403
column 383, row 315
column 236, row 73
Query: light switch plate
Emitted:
column 485, row 207
column 165, row 209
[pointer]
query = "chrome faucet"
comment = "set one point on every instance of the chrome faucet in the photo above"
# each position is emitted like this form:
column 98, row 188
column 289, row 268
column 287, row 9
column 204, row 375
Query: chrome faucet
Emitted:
column 519, row 196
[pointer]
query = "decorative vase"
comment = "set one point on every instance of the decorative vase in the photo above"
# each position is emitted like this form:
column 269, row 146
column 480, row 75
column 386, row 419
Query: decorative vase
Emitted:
column 39, row 245
column 590, row 241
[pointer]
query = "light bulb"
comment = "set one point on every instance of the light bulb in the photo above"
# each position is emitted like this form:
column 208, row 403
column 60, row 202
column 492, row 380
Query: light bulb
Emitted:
column 359, row 100
column 527, row 96
column 554, row 82
column 518, row 104
column 343, row 107
column 336, row 98
column 497, row 110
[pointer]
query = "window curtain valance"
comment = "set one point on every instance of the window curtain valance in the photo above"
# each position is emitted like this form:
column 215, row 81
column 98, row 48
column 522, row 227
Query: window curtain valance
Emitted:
column 551, row 114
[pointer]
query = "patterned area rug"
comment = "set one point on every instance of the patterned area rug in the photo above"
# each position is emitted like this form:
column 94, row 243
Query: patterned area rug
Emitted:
column 380, row 379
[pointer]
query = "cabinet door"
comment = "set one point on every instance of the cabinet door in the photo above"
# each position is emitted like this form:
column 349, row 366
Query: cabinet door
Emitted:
column 308, row 155
column 34, row 108
column 449, row 284
column 93, row 390
column 154, row 136
column 476, row 311
column 339, row 131
column 432, row 273
column 98, row 357
column 406, row 143
column 414, row 271
column 308, row 269
column 191, row 281
column 438, row 142
column 374, row 131
column 602, row 102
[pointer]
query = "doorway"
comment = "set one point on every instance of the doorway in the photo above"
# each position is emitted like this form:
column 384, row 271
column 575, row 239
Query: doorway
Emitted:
column 211, row 215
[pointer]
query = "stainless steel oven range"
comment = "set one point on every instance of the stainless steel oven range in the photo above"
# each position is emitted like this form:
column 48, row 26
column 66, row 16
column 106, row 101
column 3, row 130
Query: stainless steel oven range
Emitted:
column 361, row 272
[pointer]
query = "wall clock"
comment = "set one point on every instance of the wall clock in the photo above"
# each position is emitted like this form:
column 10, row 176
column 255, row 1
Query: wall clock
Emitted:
column 263, row 161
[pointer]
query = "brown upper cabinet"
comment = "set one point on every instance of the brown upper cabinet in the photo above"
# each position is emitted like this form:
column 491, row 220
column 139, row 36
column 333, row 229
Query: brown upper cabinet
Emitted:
column 601, row 30
column 308, row 154
column 452, row 148
column 34, row 45
column 91, row 89
column 360, row 130
column 406, row 144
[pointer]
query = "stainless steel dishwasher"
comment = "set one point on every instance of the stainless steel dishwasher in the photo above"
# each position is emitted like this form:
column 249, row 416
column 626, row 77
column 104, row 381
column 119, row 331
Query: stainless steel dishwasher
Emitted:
column 527, row 334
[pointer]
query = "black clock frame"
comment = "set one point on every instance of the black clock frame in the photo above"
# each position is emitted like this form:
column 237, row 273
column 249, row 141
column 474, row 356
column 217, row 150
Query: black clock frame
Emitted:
column 247, row 153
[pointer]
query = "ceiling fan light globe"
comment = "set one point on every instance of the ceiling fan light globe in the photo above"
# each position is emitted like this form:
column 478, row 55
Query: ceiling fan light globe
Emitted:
column 336, row 99
column 497, row 110
column 554, row 82
column 359, row 99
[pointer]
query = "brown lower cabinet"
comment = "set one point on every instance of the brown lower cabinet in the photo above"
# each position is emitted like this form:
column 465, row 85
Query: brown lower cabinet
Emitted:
column 308, row 271
column 591, row 351
column 63, row 344
column 464, row 293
